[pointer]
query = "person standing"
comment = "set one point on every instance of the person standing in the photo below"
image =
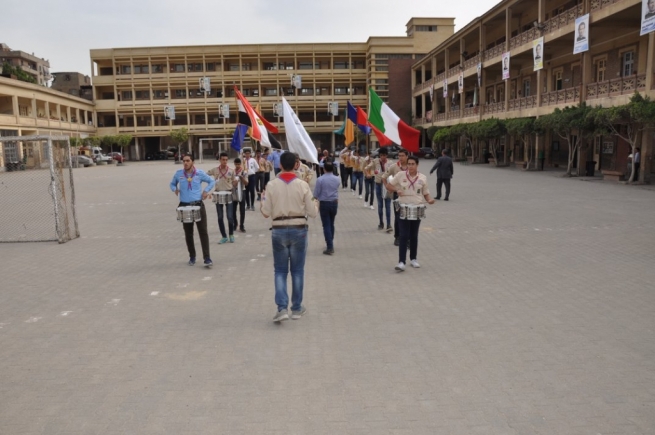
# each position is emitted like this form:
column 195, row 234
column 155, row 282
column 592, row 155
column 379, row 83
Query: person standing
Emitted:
column 347, row 172
column 274, row 158
column 445, row 171
column 288, row 202
column 224, row 176
column 357, row 174
column 240, row 205
column 379, row 167
column 302, row 171
column 412, row 189
column 187, row 184
column 394, row 169
column 369, row 182
column 268, row 165
column 637, row 162
column 251, row 167
column 326, row 192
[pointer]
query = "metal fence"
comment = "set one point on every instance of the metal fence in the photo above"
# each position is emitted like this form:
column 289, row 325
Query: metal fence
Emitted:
column 37, row 194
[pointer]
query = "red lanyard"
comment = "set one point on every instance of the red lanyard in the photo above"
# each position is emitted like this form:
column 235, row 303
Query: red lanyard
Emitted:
column 189, row 179
column 411, row 183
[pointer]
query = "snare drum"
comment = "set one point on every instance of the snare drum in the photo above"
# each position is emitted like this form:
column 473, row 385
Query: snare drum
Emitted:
column 222, row 197
column 188, row 214
column 412, row 212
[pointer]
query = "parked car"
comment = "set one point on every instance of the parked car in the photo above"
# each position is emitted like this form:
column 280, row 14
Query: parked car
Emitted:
column 117, row 156
column 82, row 161
column 159, row 155
column 171, row 151
column 425, row 153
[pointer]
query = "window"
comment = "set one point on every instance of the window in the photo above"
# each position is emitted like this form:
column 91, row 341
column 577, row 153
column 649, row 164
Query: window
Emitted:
column 270, row 91
column 126, row 95
column 245, row 66
column 157, row 69
column 426, row 28
column 142, row 95
column 234, row 67
column 210, row 66
column 557, row 84
column 269, row 66
column 307, row 91
column 180, row 93
column 45, row 151
column 140, row 69
column 125, row 69
column 628, row 63
column 178, row 67
column 601, row 67
column 526, row 88
column 11, row 151
column 305, row 65
column 160, row 94
column 340, row 91
column 22, row 110
column 342, row 64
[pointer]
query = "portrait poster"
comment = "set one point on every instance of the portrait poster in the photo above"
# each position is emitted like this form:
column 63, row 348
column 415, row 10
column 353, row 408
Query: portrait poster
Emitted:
column 432, row 92
column 506, row 65
column 460, row 83
column 538, row 53
column 479, row 74
column 581, row 35
column 445, row 88
column 647, row 17
column 169, row 113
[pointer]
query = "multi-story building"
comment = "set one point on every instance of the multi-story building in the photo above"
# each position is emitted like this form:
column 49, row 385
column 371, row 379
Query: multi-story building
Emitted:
column 133, row 85
column 617, row 63
column 73, row 83
column 36, row 67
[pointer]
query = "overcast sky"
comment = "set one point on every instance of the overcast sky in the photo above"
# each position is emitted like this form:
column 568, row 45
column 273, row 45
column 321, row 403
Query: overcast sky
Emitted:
column 64, row 31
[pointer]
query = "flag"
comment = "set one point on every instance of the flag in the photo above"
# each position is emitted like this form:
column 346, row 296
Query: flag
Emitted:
column 390, row 125
column 261, row 129
column 354, row 116
column 298, row 140
column 238, row 136
column 349, row 132
column 342, row 129
column 363, row 117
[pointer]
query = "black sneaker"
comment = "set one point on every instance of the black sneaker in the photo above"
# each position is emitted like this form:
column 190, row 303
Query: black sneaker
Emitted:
column 396, row 242
column 242, row 229
column 381, row 227
column 208, row 263
column 192, row 261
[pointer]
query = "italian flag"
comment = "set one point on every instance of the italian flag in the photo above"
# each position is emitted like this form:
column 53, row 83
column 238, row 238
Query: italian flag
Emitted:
column 390, row 125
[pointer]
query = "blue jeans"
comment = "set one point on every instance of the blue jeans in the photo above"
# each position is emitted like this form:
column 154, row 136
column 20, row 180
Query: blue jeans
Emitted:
column 230, row 218
column 289, row 249
column 357, row 176
column 387, row 204
column 369, row 189
column 328, row 212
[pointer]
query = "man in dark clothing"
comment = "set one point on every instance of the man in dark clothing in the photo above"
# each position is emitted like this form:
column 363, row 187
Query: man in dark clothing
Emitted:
column 444, row 168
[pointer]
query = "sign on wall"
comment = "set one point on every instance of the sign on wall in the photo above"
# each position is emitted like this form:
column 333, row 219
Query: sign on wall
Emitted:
column 538, row 53
column 506, row 65
column 647, row 17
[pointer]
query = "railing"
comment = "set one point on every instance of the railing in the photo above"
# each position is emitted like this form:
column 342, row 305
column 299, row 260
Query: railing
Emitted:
column 563, row 96
column 564, row 18
column 524, row 38
column 471, row 62
column 523, row 103
column 453, row 114
column 470, row 111
column 440, row 78
column 494, row 51
column 493, row 108
column 454, row 70
column 440, row 117
column 600, row 4
column 620, row 86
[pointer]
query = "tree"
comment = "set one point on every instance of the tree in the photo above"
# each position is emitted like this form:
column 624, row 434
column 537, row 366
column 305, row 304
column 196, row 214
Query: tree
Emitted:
column 628, row 121
column 123, row 141
column 573, row 125
column 76, row 141
column 431, row 132
column 490, row 130
column 109, row 141
column 92, row 141
column 179, row 136
column 463, row 131
column 522, row 129
column 8, row 70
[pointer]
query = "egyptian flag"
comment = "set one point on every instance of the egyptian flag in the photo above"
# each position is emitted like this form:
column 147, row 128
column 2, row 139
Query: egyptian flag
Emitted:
column 260, row 129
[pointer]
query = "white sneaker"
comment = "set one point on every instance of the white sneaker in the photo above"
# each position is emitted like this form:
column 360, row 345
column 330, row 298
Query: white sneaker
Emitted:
column 365, row 205
column 372, row 208
column 400, row 267
column 415, row 264
column 360, row 196
column 353, row 193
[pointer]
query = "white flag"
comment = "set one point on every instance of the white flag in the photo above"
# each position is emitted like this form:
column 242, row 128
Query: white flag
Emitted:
column 297, row 138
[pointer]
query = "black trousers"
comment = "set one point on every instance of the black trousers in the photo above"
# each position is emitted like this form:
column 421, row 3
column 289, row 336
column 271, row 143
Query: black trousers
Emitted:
column 369, row 183
column 241, row 207
column 250, row 191
column 408, row 234
column 267, row 178
column 637, row 165
column 259, row 182
column 396, row 218
column 344, row 175
column 446, row 182
column 230, row 218
column 202, row 232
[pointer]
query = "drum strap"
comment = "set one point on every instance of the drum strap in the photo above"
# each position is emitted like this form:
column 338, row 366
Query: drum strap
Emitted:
column 286, row 218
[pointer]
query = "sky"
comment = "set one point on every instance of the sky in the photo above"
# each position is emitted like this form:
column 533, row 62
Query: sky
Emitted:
column 64, row 31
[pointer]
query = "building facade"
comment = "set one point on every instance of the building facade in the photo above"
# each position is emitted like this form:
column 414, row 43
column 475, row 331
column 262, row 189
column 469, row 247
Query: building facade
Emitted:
column 618, row 62
column 37, row 68
column 73, row 83
column 133, row 85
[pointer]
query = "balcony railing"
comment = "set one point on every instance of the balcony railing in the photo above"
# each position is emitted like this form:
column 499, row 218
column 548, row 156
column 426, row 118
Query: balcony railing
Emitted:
column 620, row 86
column 564, row 18
column 563, row 96
column 454, row 70
column 440, row 117
column 471, row 62
column 470, row 111
column 600, row 4
column 493, row 108
column 524, row 38
column 440, row 78
column 454, row 113
column 523, row 103
column 494, row 51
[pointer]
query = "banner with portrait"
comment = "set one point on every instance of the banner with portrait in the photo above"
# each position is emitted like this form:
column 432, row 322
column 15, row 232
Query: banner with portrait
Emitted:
column 169, row 113
column 581, row 35
column 432, row 92
column 479, row 74
column 460, row 83
column 445, row 88
column 538, row 53
column 647, row 17
column 505, row 60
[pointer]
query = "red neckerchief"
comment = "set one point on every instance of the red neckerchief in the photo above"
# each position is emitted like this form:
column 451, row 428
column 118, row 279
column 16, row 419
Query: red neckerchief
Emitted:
column 411, row 183
column 189, row 179
column 287, row 177
column 382, row 165
column 222, row 174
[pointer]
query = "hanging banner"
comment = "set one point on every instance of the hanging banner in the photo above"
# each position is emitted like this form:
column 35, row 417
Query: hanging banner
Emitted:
column 506, row 65
column 581, row 36
column 445, row 88
column 537, row 53
column 432, row 92
column 460, row 83
column 479, row 74
column 648, row 17
column 333, row 108
column 205, row 85
column 296, row 81
column 169, row 113
column 224, row 110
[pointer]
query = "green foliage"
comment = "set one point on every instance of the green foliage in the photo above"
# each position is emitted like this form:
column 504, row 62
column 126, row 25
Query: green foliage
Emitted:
column 76, row 141
column 431, row 131
column 179, row 136
column 93, row 141
column 108, row 141
column 520, row 127
column 123, row 140
column 568, row 121
column 488, row 129
column 443, row 135
column 17, row 71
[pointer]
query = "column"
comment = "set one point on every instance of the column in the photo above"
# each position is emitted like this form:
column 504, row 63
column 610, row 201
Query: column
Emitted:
column 446, row 63
column 14, row 107
column 508, row 34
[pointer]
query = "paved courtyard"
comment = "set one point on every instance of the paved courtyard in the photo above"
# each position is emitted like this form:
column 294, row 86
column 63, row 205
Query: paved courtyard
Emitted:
column 533, row 313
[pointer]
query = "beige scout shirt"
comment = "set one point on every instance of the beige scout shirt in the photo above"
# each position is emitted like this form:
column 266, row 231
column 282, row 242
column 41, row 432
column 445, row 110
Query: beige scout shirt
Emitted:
column 413, row 189
column 304, row 173
column 376, row 165
column 263, row 164
column 224, row 178
column 284, row 199
column 346, row 159
column 392, row 169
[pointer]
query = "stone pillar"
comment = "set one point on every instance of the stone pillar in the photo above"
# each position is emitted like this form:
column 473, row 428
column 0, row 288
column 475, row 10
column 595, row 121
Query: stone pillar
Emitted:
column 508, row 35
column 650, row 62
column 447, row 63
column 16, row 110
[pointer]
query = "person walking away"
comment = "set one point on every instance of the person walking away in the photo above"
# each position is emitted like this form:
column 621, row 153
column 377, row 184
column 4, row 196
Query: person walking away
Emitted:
column 445, row 171
column 240, row 174
column 274, row 158
column 379, row 166
column 358, row 173
column 326, row 192
column 412, row 189
column 369, row 183
column 288, row 202
column 187, row 184
column 224, row 177
column 251, row 167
